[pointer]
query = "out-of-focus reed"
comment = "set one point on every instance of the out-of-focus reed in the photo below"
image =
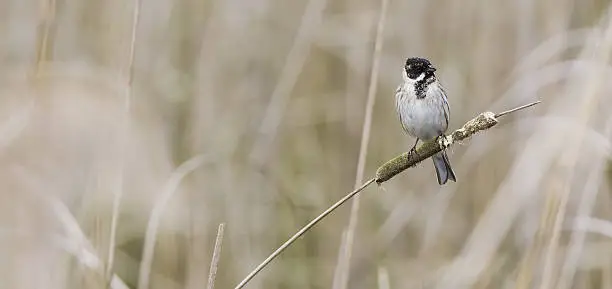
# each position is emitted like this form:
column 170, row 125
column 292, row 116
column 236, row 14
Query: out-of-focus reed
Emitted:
column 273, row 93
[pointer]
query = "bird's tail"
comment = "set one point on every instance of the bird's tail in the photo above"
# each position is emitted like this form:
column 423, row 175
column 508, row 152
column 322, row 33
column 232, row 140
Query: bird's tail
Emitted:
column 443, row 168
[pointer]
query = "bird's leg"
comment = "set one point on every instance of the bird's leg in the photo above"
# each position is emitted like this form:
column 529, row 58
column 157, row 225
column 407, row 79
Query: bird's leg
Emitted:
column 413, row 149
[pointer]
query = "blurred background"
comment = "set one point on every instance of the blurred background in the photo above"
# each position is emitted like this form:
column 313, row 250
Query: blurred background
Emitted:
column 129, row 131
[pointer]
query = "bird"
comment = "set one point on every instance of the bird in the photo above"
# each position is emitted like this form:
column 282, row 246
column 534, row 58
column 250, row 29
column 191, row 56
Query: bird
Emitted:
column 422, row 106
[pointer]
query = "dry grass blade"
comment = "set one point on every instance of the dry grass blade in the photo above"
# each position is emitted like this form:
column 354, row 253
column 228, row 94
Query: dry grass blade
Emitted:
column 214, row 263
column 593, row 225
column 346, row 250
column 156, row 214
column 77, row 243
column 516, row 109
column 48, row 11
column 578, row 237
column 124, row 129
column 383, row 278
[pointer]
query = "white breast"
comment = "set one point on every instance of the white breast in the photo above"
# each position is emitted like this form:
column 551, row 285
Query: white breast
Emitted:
column 424, row 118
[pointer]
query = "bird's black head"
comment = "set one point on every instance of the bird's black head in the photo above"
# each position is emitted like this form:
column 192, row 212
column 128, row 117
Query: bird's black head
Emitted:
column 416, row 66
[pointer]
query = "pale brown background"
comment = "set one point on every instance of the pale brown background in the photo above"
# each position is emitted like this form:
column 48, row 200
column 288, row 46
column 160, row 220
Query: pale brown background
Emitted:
column 272, row 93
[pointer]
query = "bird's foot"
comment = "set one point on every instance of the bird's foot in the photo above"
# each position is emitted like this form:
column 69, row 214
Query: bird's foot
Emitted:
column 444, row 141
column 413, row 151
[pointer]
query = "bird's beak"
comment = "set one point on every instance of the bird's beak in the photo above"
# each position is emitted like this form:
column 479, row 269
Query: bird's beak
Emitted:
column 431, row 69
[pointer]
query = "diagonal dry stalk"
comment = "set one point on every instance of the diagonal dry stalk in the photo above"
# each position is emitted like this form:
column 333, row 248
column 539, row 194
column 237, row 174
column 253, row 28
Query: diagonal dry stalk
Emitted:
column 343, row 267
column 391, row 168
column 302, row 232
